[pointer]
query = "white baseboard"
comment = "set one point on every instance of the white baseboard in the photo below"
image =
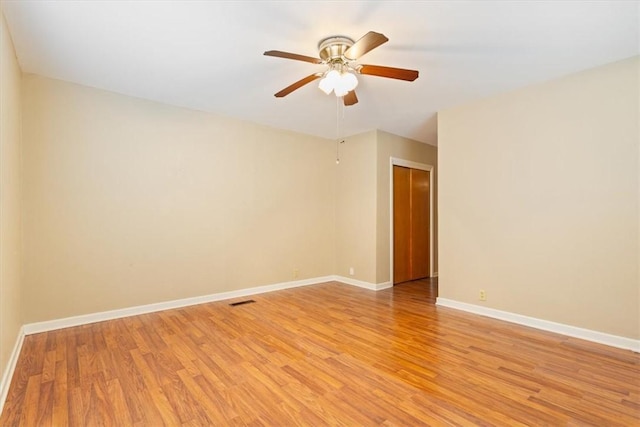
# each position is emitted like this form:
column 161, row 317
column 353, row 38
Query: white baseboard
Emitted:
column 50, row 325
column 384, row 285
column 559, row 328
column 362, row 284
column 5, row 383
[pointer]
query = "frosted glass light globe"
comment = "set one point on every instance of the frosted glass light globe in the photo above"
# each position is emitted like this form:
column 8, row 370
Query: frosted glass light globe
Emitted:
column 328, row 83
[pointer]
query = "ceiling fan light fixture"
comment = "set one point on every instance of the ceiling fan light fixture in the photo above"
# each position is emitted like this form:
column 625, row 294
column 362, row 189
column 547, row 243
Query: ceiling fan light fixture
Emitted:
column 329, row 82
column 325, row 86
column 341, row 90
column 339, row 83
column 350, row 81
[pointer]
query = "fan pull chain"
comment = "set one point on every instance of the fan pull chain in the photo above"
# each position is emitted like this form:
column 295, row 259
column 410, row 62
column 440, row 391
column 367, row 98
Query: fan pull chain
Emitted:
column 339, row 107
column 338, row 130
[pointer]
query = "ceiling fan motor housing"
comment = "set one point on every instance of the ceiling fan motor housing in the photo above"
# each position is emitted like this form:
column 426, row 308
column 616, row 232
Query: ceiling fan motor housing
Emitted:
column 332, row 49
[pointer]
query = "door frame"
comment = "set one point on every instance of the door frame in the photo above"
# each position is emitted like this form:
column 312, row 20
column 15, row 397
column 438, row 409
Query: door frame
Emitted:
column 395, row 161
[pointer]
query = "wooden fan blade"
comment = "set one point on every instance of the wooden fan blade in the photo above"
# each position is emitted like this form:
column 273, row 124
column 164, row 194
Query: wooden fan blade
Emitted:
column 287, row 55
column 390, row 72
column 297, row 85
column 368, row 42
column 350, row 98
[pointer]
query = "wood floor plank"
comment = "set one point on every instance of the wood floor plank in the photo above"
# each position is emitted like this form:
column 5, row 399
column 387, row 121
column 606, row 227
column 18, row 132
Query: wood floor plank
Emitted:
column 327, row 354
column 216, row 402
column 118, row 402
column 152, row 385
column 76, row 407
column 99, row 407
column 45, row 404
column 60, row 416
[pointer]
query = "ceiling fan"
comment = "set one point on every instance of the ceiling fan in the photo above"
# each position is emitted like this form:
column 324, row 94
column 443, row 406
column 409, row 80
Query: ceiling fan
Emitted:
column 339, row 53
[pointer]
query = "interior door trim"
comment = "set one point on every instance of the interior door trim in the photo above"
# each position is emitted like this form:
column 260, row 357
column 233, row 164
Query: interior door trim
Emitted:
column 394, row 161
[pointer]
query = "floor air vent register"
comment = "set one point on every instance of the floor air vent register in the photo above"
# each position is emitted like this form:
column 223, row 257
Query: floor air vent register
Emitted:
column 234, row 304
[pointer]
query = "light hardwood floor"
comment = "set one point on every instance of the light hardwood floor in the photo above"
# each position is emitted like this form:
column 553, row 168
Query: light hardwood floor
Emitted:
column 327, row 354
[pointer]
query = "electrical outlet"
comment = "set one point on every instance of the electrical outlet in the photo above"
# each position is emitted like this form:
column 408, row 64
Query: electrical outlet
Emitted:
column 483, row 295
column 296, row 273
column 351, row 271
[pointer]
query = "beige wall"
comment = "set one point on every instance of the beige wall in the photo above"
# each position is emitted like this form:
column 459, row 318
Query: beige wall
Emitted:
column 362, row 201
column 389, row 145
column 10, row 196
column 356, row 208
column 129, row 202
column 539, row 200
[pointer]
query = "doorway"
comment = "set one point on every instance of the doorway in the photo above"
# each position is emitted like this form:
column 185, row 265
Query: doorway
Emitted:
column 411, row 221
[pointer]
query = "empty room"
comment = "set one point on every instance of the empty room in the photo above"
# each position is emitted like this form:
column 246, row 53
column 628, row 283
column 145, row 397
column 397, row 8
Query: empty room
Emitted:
column 349, row 213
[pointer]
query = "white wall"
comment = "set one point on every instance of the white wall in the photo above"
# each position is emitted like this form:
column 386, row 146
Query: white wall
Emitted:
column 539, row 200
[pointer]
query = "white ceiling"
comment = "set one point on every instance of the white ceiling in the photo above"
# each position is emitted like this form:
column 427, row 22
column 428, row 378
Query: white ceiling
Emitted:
column 208, row 55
